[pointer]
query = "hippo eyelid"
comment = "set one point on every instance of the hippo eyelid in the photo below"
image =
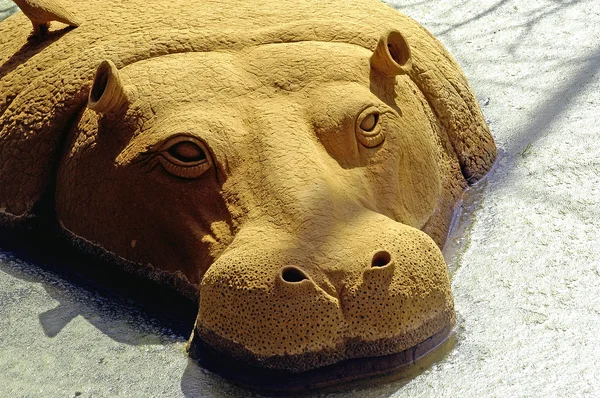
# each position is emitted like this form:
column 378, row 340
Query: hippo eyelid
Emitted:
column 167, row 150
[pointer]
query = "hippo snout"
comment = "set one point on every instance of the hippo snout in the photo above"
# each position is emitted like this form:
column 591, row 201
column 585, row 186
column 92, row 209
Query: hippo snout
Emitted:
column 366, row 288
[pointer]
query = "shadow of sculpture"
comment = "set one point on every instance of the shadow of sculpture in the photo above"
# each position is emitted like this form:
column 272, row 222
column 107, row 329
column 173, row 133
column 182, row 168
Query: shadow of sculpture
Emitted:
column 32, row 47
column 122, row 306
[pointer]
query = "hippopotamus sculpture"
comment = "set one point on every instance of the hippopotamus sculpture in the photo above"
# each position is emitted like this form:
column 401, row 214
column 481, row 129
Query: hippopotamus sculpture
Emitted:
column 293, row 165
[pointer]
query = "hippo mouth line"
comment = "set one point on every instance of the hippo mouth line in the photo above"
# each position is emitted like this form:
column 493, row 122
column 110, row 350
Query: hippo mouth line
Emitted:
column 259, row 374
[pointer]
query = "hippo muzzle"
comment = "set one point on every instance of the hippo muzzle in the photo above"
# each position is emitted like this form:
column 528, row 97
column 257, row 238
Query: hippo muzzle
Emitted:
column 366, row 287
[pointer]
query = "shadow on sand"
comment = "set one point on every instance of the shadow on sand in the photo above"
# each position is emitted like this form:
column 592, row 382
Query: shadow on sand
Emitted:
column 87, row 286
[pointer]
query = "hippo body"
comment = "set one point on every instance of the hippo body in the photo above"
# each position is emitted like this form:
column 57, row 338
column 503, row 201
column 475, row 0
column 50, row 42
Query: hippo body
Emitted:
column 292, row 165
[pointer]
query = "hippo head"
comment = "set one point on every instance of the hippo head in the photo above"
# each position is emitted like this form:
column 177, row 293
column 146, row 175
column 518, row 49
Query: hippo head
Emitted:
column 288, row 182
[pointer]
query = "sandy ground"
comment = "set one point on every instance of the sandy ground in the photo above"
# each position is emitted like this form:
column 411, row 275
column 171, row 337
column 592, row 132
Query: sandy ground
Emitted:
column 525, row 258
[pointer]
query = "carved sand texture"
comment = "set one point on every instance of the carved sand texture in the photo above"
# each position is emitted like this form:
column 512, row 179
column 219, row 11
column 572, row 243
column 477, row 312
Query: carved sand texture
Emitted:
column 295, row 162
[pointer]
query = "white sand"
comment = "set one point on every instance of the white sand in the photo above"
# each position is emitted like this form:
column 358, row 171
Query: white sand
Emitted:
column 7, row 7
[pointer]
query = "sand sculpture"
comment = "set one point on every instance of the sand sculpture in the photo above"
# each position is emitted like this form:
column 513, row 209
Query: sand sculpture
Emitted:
column 293, row 164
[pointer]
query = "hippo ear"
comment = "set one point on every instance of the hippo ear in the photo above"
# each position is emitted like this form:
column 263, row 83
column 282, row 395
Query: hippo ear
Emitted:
column 108, row 92
column 392, row 55
column 34, row 126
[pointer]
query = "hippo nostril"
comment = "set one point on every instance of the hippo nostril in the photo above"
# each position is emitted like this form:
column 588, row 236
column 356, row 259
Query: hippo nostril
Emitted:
column 293, row 275
column 381, row 258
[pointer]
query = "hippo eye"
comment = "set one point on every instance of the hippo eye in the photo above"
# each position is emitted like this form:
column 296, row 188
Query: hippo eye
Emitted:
column 369, row 122
column 368, row 128
column 185, row 157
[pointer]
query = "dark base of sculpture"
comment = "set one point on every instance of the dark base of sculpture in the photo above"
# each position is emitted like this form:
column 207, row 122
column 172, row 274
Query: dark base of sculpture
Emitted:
column 357, row 370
